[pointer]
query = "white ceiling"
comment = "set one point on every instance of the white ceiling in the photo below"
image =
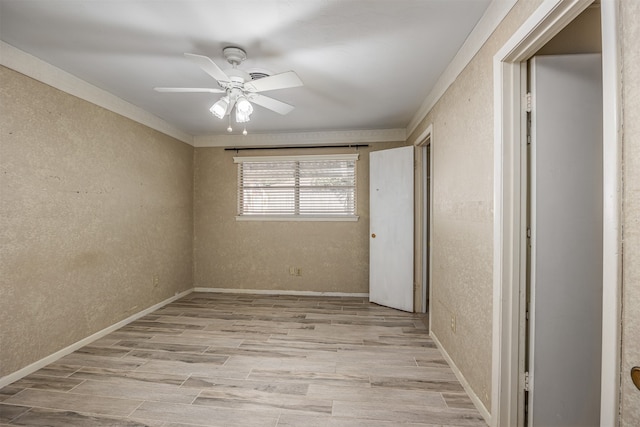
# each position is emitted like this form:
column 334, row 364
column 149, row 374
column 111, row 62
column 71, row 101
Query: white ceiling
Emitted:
column 365, row 64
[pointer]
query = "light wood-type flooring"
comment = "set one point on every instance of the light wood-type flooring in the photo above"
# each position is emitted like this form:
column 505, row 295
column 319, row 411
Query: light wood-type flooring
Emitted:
column 212, row 359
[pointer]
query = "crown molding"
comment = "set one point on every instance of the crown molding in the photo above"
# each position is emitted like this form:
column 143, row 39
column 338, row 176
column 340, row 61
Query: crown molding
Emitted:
column 492, row 17
column 44, row 72
column 302, row 138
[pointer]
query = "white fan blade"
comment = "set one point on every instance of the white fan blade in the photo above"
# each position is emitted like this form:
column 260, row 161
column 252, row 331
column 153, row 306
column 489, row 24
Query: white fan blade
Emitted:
column 189, row 89
column 270, row 103
column 277, row 81
column 208, row 66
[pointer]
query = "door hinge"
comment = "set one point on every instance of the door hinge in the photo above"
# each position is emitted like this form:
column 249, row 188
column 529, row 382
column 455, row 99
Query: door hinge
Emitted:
column 529, row 233
column 527, row 384
column 527, row 102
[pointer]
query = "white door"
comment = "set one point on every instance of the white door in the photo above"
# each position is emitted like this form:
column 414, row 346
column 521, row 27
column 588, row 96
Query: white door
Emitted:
column 565, row 324
column 391, row 228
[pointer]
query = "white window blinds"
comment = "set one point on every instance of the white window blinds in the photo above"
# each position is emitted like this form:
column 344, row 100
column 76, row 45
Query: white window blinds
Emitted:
column 297, row 186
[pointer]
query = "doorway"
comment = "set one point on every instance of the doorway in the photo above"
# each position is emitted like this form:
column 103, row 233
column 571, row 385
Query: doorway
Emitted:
column 424, row 219
column 510, row 231
column 426, row 226
column 562, row 337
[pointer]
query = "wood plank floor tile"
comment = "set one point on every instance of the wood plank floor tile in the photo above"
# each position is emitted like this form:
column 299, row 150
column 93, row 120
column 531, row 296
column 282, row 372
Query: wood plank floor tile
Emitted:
column 57, row 370
column 263, row 364
column 297, row 420
column 405, row 414
column 126, row 389
column 451, row 385
column 458, row 400
column 10, row 412
column 201, row 339
column 213, row 359
column 74, row 402
column 103, row 351
column 246, row 399
column 162, row 346
column 205, row 415
column 9, row 391
column 102, row 374
column 205, row 369
column 376, row 395
column 43, row 382
column 275, row 387
column 53, row 418
column 95, row 361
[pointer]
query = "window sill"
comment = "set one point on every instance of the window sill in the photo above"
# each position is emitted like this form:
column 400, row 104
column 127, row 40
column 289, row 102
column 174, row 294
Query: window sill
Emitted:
column 286, row 218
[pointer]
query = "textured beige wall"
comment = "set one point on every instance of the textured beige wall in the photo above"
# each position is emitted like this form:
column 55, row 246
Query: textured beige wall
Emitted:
column 92, row 206
column 630, row 34
column 582, row 35
column 462, row 234
column 333, row 256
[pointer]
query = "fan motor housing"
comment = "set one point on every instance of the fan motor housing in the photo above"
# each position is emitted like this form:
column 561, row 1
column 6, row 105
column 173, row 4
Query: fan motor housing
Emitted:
column 234, row 55
column 236, row 75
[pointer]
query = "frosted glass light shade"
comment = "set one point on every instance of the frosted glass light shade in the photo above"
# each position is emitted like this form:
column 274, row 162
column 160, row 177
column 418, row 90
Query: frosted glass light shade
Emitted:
column 219, row 109
column 243, row 110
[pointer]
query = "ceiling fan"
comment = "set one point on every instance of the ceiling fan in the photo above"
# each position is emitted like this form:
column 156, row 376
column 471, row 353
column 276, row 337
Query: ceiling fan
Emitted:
column 241, row 89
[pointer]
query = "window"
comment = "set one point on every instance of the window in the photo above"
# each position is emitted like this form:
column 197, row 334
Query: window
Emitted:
column 297, row 187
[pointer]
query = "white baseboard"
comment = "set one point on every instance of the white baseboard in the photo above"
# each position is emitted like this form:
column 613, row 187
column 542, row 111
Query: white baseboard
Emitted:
column 15, row 376
column 279, row 292
column 465, row 384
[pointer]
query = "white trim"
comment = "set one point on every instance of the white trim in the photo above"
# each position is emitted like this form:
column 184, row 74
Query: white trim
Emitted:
column 426, row 139
column 299, row 218
column 551, row 17
column 15, row 376
column 612, row 161
column 431, row 216
column 311, row 157
column 492, row 17
column 301, row 138
column 280, row 292
column 504, row 381
column 44, row 72
column 428, row 132
column 465, row 384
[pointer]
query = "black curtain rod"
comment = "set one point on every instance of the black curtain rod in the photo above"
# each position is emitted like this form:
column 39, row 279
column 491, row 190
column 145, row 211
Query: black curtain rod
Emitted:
column 296, row 147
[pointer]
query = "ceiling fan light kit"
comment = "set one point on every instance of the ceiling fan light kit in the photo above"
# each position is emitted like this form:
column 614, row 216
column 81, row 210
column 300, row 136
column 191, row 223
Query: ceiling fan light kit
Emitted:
column 239, row 87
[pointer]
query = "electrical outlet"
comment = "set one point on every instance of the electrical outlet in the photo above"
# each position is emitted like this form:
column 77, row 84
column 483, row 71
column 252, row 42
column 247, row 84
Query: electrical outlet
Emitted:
column 453, row 323
column 292, row 271
column 156, row 280
column 298, row 271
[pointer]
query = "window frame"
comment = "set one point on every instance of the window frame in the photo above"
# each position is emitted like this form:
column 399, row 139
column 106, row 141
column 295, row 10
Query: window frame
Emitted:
column 297, row 217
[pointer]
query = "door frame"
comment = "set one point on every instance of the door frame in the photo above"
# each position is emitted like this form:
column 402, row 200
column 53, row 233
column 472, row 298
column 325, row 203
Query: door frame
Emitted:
column 424, row 210
column 508, row 269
